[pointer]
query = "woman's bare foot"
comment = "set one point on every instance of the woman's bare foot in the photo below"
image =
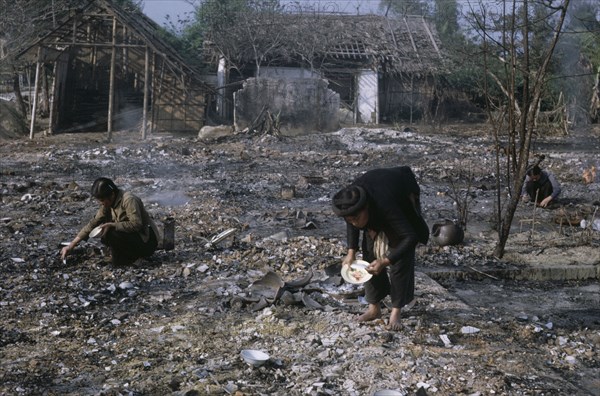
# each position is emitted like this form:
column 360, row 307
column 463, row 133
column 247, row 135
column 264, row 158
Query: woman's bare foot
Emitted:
column 372, row 313
column 395, row 324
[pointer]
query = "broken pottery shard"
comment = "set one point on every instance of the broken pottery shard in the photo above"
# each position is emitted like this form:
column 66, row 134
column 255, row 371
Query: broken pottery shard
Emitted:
column 300, row 282
column 268, row 286
column 288, row 298
column 310, row 303
column 262, row 303
column 469, row 330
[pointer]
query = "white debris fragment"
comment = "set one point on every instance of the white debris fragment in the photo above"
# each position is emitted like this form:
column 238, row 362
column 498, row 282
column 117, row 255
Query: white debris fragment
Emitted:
column 203, row 268
column 571, row 360
column 125, row 285
column 469, row 330
column 446, row 340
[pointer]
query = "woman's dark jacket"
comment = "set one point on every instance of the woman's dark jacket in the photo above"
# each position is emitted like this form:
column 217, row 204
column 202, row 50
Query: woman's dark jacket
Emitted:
column 394, row 208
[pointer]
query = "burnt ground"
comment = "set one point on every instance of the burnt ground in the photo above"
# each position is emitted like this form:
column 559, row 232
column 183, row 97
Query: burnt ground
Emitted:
column 528, row 324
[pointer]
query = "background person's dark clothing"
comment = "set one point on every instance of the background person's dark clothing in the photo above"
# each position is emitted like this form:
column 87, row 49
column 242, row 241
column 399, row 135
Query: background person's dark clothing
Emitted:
column 126, row 247
column 545, row 186
column 394, row 209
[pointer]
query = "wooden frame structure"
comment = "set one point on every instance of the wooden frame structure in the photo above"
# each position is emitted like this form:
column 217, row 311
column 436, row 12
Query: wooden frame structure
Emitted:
column 111, row 67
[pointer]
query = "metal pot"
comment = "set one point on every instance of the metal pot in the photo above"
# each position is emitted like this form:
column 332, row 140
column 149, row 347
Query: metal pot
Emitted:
column 447, row 233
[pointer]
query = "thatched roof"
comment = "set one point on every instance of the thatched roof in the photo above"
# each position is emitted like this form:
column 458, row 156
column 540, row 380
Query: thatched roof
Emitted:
column 406, row 44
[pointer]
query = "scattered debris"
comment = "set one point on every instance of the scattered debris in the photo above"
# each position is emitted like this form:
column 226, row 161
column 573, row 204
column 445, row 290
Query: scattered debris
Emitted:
column 257, row 267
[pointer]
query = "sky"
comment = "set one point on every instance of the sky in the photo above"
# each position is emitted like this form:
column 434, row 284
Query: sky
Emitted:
column 159, row 9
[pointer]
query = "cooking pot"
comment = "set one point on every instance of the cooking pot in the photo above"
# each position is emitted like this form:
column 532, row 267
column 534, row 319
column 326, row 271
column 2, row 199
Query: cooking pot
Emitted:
column 446, row 233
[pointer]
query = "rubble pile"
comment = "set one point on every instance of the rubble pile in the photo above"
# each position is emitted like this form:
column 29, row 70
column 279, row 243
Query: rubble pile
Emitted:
column 256, row 266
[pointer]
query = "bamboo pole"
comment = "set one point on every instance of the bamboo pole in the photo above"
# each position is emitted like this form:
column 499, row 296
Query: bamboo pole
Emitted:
column 35, row 93
column 145, row 108
column 153, row 95
column 51, row 114
column 111, row 92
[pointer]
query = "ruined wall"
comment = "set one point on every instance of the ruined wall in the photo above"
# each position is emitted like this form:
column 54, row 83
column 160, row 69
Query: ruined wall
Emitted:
column 304, row 105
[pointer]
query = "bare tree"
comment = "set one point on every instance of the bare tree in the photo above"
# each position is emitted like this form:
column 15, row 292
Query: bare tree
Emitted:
column 242, row 31
column 506, row 36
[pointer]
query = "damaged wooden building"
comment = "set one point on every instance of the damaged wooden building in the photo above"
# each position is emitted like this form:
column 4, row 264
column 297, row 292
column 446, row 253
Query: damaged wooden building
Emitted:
column 375, row 70
column 105, row 68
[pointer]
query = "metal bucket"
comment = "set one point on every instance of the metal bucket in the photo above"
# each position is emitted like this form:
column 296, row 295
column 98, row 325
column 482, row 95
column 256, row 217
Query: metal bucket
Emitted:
column 169, row 233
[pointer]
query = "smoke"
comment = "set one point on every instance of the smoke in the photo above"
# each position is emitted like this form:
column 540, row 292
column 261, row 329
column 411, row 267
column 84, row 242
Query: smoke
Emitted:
column 169, row 198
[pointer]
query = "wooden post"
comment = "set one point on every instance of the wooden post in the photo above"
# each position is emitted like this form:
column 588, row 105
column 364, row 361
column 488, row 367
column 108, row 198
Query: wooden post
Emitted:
column 412, row 96
column 111, row 90
column 153, row 95
column 35, row 93
column 146, row 90
column 52, row 97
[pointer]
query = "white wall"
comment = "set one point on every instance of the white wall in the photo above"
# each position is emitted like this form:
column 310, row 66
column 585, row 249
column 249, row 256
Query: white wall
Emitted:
column 367, row 97
column 221, row 81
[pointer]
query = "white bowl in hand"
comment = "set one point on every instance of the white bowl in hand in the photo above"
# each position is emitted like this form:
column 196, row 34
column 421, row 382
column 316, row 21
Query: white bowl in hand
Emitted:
column 96, row 232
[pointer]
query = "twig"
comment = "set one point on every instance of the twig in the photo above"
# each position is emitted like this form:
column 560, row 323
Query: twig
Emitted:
column 483, row 273
column 533, row 215
column 218, row 384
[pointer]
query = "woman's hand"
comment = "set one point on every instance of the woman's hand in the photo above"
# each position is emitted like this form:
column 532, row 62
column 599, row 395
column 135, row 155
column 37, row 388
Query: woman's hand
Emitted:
column 545, row 201
column 64, row 251
column 377, row 266
column 106, row 227
column 350, row 258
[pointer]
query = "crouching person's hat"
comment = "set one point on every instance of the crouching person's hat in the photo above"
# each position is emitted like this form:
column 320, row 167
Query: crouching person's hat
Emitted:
column 349, row 200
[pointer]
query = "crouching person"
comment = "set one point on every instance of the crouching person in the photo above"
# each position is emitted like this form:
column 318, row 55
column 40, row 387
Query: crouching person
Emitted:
column 126, row 227
column 541, row 187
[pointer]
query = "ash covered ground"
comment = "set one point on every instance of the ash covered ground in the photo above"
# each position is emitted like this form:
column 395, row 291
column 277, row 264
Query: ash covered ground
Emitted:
column 528, row 324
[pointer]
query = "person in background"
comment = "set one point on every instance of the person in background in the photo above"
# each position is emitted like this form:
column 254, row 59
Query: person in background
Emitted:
column 127, row 228
column 540, row 186
column 385, row 205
